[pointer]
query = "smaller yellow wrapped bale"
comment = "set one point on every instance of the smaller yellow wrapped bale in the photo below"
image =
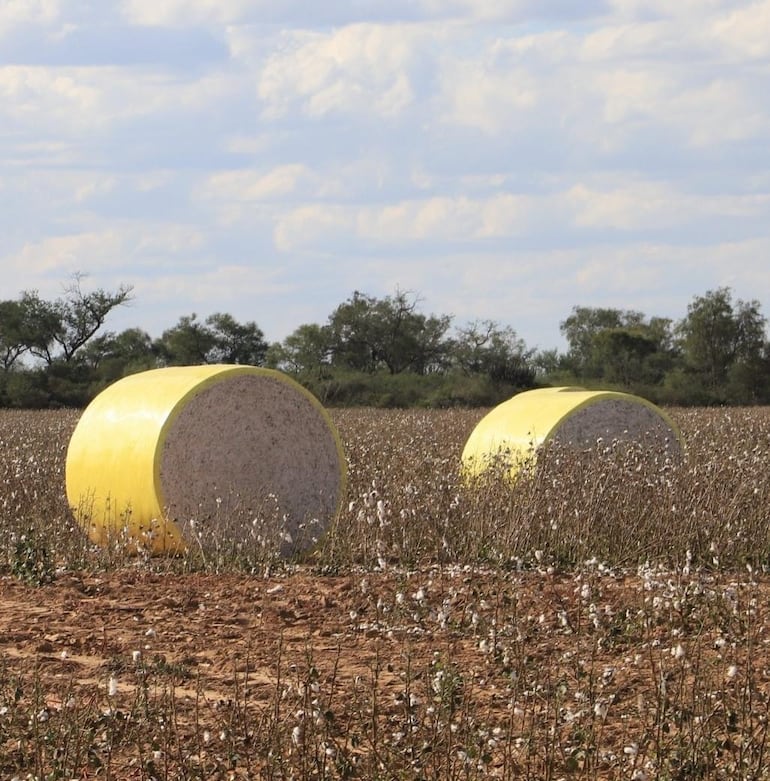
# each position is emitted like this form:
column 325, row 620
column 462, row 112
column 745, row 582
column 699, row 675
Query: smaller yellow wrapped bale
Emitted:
column 515, row 430
column 160, row 456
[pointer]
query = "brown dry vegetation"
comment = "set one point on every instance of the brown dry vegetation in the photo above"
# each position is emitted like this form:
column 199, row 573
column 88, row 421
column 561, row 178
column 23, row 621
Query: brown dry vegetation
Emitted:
column 605, row 617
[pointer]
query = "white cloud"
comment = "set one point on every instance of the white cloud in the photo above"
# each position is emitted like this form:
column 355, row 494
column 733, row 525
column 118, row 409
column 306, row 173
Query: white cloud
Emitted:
column 629, row 95
column 656, row 206
column 646, row 272
column 249, row 185
column 14, row 13
column 724, row 110
column 29, row 94
column 65, row 255
column 148, row 181
column 73, row 100
column 363, row 68
column 306, row 226
column 247, row 292
column 186, row 12
column 96, row 187
column 492, row 99
column 68, row 198
column 745, row 31
column 161, row 239
column 122, row 247
column 433, row 219
column 596, row 152
column 648, row 205
column 640, row 10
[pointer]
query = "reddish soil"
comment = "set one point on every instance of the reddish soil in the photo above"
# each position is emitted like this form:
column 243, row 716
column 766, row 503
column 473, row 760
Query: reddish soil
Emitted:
column 577, row 644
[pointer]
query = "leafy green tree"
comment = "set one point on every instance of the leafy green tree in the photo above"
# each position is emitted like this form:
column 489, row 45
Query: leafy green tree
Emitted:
column 748, row 380
column 356, row 334
column 484, row 347
column 718, row 338
column 549, row 365
column 219, row 339
column 630, row 356
column 16, row 332
column 235, row 342
column 369, row 333
column 580, row 329
column 620, row 355
column 619, row 347
column 111, row 356
column 308, row 350
column 188, row 343
column 61, row 328
column 41, row 320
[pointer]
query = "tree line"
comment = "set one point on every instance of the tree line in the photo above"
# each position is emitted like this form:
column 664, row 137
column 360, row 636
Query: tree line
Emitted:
column 387, row 352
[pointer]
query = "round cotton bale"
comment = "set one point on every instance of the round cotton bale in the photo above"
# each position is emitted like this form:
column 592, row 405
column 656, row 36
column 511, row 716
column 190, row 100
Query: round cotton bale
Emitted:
column 162, row 454
column 515, row 430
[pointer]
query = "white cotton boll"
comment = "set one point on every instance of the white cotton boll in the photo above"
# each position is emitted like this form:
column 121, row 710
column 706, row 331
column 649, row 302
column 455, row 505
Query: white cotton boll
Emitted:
column 678, row 652
column 600, row 709
column 112, row 686
column 732, row 671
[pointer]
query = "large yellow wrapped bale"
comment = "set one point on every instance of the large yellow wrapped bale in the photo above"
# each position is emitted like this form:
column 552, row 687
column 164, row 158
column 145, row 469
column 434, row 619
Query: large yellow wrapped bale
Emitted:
column 517, row 428
column 160, row 454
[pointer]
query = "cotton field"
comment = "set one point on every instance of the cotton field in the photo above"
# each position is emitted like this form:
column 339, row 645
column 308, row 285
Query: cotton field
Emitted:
column 603, row 616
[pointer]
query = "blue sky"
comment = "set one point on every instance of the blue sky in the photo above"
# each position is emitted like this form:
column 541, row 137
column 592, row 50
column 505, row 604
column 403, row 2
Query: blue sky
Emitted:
column 503, row 159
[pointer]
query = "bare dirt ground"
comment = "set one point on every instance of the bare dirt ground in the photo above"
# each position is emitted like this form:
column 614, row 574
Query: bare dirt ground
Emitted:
column 86, row 627
column 567, row 672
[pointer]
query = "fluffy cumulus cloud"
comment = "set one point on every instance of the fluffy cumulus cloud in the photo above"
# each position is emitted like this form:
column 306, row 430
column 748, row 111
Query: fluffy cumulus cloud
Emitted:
column 267, row 159
column 359, row 69
column 16, row 13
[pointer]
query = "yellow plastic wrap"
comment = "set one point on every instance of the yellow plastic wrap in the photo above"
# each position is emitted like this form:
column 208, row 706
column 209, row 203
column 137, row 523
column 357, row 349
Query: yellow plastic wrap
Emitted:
column 113, row 469
column 515, row 429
